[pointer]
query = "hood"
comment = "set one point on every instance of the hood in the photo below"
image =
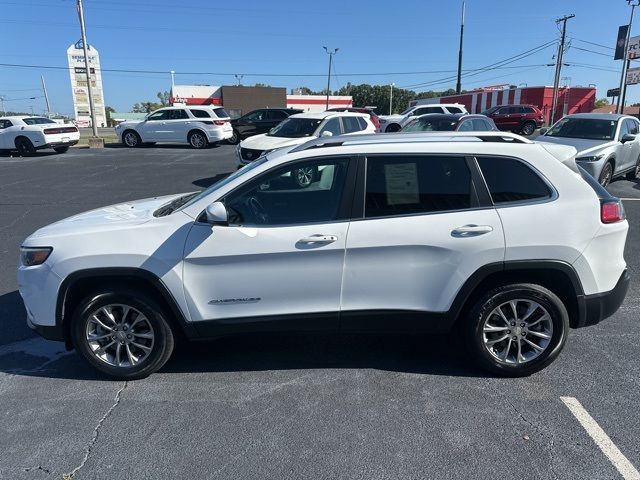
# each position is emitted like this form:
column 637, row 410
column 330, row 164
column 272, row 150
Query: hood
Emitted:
column 582, row 145
column 391, row 118
column 130, row 123
column 265, row 142
column 130, row 213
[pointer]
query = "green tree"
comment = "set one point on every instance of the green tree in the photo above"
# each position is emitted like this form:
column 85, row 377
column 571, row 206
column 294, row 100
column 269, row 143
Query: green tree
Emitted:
column 146, row 107
column 164, row 98
column 109, row 110
column 601, row 102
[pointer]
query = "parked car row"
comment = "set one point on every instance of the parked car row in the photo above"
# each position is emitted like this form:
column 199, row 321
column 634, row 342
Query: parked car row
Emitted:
column 26, row 134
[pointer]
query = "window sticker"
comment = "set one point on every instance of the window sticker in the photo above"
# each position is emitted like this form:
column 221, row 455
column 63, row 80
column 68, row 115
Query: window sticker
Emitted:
column 402, row 183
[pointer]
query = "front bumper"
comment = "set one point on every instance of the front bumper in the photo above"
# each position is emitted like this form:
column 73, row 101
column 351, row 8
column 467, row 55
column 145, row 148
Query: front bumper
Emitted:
column 38, row 287
column 592, row 309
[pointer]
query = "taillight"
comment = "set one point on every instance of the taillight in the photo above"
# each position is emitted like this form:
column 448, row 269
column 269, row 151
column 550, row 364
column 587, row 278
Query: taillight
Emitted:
column 55, row 131
column 219, row 122
column 207, row 122
column 611, row 211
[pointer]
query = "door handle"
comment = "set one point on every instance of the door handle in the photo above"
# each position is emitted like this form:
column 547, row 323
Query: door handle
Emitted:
column 319, row 238
column 471, row 230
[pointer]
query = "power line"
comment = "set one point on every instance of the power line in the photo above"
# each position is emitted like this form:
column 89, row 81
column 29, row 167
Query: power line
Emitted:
column 593, row 43
column 591, row 51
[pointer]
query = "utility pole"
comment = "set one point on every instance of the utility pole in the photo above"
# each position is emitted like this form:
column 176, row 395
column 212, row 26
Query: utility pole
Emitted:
column 2, row 104
column 331, row 54
column 391, row 100
column 173, row 78
column 556, row 80
column 625, row 60
column 459, row 82
column 85, row 47
column 46, row 97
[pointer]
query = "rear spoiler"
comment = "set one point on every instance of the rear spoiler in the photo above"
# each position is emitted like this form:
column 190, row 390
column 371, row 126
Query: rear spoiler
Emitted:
column 564, row 153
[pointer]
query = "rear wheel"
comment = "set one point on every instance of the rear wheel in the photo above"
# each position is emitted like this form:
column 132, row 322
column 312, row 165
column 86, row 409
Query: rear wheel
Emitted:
column 235, row 138
column 131, row 139
column 61, row 149
column 606, row 174
column 123, row 334
column 516, row 330
column 25, row 147
column 634, row 174
column 198, row 140
column 528, row 128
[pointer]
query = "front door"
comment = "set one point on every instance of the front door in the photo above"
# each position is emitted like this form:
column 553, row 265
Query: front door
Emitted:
column 151, row 129
column 424, row 232
column 281, row 256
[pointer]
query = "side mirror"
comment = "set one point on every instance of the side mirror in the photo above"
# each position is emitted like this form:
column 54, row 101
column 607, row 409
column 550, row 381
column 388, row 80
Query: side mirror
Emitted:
column 544, row 130
column 217, row 214
column 326, row 133
column 628, row 137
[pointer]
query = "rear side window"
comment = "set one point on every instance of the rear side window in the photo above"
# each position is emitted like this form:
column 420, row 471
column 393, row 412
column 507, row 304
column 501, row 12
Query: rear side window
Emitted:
column 276, row 115
column 362, row 122
column 430, row 110
column 510, row 180
column 200, row 114
column 528, row 110
column 221, row 113
column 351, row 124
column 177, row 114
column 454, row 110
column 403, row 185
column 481, row 125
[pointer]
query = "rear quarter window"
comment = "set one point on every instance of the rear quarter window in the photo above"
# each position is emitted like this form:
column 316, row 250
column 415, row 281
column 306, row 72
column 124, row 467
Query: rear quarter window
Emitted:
column 200, row 113
column 221, row 113
column 510, row 181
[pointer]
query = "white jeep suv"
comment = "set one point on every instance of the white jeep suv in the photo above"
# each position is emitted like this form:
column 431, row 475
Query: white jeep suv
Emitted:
column 394, row 123
column 198, row 126
column 489, row 234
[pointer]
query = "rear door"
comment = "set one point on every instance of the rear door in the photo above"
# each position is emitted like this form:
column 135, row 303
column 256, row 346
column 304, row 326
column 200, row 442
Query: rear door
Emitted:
column 422, row 232
column 630, row 150
column 177, row 126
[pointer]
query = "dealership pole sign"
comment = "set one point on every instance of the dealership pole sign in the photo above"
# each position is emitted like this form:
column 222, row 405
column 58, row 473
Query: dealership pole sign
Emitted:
column 79, row 90
column 633, row 76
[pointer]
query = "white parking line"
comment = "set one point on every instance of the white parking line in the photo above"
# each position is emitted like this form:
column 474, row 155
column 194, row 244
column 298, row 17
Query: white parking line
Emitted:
column 624, row 466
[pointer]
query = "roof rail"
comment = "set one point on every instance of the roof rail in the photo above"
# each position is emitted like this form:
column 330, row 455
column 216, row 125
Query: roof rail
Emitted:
column 426, row 137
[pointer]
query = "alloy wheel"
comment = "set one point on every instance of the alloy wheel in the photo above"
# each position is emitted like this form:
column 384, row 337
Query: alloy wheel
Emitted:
column 517, row 332
column 130, row 139
column 119, row 335
column 197, row 140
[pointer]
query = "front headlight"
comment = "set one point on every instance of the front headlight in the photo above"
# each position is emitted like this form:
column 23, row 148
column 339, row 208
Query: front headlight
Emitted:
column 590, row 158
column 30, row 256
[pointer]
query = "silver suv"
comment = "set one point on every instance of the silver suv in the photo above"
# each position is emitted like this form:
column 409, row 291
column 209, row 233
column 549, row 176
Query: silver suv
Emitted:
column 608, row 145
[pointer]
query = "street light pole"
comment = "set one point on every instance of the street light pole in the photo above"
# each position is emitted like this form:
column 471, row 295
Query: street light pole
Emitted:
column 173, row 78
column 625, row 60
column 85, row 47
column 391, row 100
column 331, row 54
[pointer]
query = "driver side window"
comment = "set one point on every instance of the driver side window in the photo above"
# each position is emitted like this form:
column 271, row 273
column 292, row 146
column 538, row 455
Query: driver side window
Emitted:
column 308, row 192
column 158, row 115
column 332, row 126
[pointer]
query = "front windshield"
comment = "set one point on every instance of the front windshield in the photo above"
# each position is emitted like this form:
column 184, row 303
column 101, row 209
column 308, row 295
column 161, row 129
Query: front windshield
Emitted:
column 295, row 128
column 431, row 125
column 220, row 183
column 587, row 128
column 489, row 111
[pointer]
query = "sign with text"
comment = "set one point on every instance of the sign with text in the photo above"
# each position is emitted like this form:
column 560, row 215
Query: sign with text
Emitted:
column 634, row 48
column 613, row 92
column 633, row 76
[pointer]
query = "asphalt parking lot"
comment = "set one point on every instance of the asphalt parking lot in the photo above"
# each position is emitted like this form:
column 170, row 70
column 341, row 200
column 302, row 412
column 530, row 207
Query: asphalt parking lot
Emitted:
column 291, row 406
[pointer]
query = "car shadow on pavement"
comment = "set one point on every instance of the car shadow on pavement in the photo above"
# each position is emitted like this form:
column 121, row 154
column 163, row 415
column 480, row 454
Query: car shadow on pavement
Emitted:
column 163, row 146
column 208, row 181
column 13, row 319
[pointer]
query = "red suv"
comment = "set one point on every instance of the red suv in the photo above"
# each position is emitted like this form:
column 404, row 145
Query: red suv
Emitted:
column 373, row 115
column 523, row 119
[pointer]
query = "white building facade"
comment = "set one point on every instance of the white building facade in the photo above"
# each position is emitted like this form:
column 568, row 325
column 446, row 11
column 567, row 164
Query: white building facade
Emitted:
column 79, row 90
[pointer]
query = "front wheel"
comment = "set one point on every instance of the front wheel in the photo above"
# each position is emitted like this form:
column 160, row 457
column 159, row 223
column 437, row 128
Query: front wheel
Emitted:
column 131, row 139
column 61, row 149
column 606, row 174
column 123, row 334
column 516, row 330
column 198, row 140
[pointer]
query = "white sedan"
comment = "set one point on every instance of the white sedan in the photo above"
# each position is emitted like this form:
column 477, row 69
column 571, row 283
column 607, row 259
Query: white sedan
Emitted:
column 197, row 125
column 27, row 134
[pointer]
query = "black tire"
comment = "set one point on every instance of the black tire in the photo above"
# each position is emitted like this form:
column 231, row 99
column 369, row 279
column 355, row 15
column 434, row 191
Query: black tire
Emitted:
column 528, row 128
column 394, row 127
column 482, row 310
column 606, row 175
column 25, row 147
column 131, row 139
column 634, row 174
column 198, row 140
column 61, row 149
column 163, row 341
column 304, row 177
column 235, row 138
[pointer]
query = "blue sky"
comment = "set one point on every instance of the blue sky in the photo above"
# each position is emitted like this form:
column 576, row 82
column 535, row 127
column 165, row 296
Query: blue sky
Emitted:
column 286, row 37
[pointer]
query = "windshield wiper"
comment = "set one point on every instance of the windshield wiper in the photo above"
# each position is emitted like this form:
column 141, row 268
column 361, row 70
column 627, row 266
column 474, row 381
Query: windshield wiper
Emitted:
column 173, row 205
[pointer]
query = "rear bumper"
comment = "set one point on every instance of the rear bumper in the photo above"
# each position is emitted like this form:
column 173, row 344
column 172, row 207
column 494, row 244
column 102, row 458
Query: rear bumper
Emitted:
column 595, row 308
column 70, row 143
